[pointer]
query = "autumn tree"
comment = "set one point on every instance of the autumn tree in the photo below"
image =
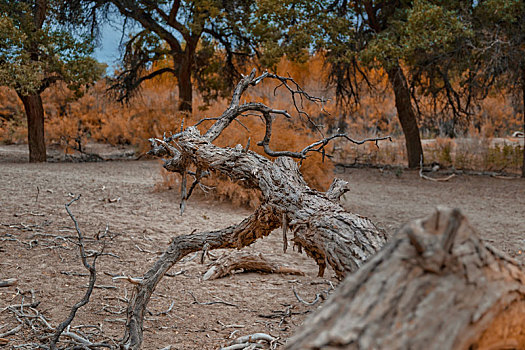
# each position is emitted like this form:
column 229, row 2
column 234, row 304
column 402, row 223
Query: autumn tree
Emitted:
column 35, row 52
column 206, row 41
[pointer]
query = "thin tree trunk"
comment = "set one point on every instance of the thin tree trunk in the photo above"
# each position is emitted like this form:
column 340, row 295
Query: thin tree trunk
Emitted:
column 35, row 127
column 406, row 116
column 436, row 285
column 523, row 97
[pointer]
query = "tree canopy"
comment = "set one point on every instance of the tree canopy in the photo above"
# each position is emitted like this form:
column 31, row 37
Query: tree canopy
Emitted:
column 36, row 50
column 207, row 42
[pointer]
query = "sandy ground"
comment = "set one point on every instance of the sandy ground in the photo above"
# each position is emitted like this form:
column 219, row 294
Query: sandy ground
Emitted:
column 37, row 247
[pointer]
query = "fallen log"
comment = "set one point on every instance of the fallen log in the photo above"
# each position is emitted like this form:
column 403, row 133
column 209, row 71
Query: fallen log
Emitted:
column 436, row 285
column 320, row 226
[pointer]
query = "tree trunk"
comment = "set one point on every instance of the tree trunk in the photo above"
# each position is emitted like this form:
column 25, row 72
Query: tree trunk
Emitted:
column 523, row 98
column 436, row 285
column 406, row 116
column 184, row 81
column 35, row 127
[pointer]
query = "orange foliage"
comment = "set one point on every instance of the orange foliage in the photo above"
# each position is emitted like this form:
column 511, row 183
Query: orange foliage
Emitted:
column 71, row 120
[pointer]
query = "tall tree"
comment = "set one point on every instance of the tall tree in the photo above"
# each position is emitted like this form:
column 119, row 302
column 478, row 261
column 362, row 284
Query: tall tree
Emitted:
column 35, row 53
column 207, row 42
column 500, row 45
column 417, row 38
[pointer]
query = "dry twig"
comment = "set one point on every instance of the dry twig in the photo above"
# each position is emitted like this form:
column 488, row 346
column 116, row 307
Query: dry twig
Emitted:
column 8, row 282
column 63, row 328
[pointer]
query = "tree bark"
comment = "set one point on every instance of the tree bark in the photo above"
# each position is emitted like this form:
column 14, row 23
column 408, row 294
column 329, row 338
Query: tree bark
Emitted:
column 406, row 116
column 436, row 285
column 184, row 79
column 523, row 100
column 318, row 223
column 35, row 126
column 185, row 89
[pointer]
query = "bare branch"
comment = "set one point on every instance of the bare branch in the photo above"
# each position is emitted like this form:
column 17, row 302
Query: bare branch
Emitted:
column 236, row 108
column 317, row 146
column 261, row 223
column 8, row 282
column 218, row 301
column 92, row 279
column 423, row 176
column 318, row 296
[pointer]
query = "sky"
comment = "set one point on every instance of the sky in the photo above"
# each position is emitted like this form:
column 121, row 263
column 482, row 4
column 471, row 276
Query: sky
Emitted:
column 108, row 49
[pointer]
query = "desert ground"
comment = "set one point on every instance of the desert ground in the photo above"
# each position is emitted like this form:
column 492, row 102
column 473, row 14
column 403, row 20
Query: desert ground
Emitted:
column 119, row 201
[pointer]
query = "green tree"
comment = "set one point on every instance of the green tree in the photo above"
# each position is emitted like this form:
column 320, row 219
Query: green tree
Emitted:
column 500, row 47
column 423, row 36
column 34, row 54
column 207, row 41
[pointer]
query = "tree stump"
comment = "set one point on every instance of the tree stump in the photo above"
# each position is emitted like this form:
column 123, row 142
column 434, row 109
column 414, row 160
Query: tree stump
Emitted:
column 436, row 285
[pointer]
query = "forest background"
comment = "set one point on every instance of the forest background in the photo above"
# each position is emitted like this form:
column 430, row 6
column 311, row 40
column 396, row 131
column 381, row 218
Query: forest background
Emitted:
column 466, row 121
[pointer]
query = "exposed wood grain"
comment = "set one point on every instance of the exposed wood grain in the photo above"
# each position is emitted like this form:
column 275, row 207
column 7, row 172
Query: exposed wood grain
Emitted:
column 435, row 285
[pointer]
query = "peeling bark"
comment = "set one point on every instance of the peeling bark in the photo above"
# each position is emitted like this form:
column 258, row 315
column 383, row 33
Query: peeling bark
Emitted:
column 436, row 285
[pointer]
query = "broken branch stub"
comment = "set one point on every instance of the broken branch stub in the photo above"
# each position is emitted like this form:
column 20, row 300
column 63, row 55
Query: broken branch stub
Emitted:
column 436, row 285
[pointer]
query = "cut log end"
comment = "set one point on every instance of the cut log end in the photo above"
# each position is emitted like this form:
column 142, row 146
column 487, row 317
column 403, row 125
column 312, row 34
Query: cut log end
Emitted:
column 435, row 285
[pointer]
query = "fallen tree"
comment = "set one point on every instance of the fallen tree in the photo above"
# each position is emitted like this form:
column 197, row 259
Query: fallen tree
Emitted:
column 436, row 285
column 318, row 224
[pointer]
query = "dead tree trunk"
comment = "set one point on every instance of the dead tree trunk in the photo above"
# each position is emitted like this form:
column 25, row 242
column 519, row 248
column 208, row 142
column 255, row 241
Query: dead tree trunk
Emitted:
column 318, row 223
column 436, row 285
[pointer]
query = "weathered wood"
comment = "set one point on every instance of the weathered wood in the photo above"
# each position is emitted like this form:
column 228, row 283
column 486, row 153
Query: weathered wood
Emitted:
column 436, row 285
column 228, row 263
column 8, row 282
column 261, row 223
column 319, row 224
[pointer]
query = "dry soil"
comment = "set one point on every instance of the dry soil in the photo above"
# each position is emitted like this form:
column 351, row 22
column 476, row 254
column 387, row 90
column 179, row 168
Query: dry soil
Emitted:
column 119, row 199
